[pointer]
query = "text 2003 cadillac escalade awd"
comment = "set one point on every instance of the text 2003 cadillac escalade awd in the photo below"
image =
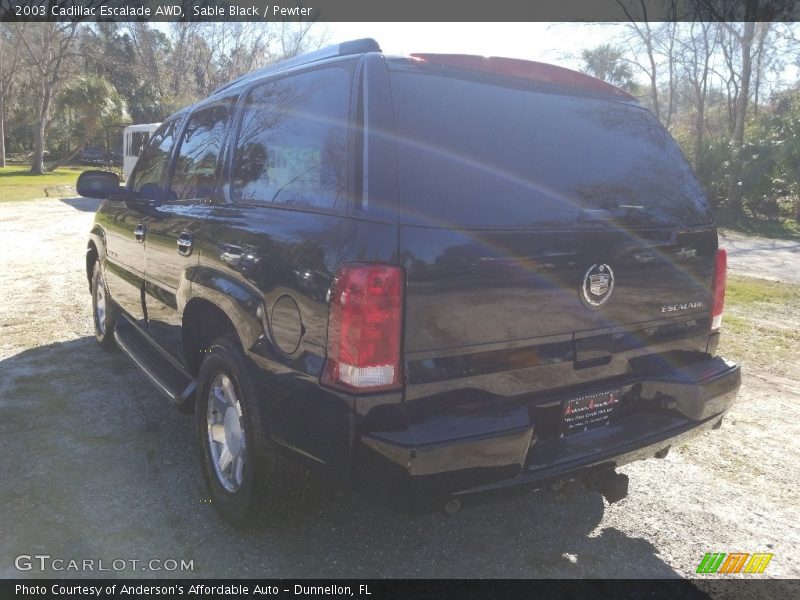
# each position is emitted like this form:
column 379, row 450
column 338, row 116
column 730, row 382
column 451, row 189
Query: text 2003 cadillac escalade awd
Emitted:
column 445, row 272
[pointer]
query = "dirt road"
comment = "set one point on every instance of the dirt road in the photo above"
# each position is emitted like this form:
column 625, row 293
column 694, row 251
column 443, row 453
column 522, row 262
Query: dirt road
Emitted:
column 97, row 465
column 761, row 257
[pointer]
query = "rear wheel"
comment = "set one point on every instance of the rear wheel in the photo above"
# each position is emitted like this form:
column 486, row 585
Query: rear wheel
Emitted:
column 240, row 465
column 104, row 311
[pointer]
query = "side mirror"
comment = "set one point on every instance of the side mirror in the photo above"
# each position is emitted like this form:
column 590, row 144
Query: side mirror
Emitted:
column 98, row 184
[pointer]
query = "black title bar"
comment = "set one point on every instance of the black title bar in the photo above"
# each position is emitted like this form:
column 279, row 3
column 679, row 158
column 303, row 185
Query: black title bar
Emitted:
column 399, row 10
column 382, row 589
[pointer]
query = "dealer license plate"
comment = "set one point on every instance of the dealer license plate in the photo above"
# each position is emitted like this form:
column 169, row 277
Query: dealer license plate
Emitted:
column 588, row 411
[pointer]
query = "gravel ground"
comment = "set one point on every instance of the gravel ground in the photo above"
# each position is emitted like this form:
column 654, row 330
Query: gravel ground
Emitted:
column 97, row 465
column 762, row 257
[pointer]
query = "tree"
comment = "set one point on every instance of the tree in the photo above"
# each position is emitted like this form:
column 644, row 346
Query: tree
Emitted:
column 764, row 58
column 92, row 102
column 745, row 38
column 697, row 45
column 666, row 44
column 47, row 47
column 296, row 38
column 150, row 47
column 156, row 70
column 10, row 65
column 644, row 34
column 607, row 62
column 205, row 56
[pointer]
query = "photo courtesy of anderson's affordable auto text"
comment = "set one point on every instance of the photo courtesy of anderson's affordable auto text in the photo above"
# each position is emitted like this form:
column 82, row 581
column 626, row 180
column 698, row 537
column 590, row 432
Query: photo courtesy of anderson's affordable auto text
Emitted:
column 353, row 300
column 197, row 590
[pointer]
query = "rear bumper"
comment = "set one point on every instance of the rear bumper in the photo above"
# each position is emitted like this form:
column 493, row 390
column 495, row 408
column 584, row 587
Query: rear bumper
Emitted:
column 510, row 445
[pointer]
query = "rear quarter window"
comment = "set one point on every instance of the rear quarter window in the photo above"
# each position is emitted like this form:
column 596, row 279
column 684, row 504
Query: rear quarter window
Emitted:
column 483, row 154
column 292, row 143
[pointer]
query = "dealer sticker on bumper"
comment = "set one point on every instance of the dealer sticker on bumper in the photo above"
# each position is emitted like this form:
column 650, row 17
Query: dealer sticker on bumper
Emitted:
column 588, row 411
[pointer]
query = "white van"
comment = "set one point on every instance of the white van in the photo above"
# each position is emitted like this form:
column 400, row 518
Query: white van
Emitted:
column 135, row 138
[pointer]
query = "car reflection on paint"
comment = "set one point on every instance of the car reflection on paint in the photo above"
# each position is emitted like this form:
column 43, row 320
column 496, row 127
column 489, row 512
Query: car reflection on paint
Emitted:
column 316, row 284
column 244, row 259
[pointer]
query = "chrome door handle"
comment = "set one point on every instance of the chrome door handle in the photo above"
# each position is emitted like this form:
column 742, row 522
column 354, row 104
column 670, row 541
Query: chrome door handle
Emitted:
column 139, row 232
column 185, row 244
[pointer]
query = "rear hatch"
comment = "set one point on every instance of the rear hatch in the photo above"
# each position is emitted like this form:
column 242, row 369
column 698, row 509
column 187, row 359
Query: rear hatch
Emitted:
column 552, row 236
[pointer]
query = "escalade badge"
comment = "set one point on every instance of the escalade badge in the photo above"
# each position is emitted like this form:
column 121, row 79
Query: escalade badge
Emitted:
column 682, row 306
column 598, row 283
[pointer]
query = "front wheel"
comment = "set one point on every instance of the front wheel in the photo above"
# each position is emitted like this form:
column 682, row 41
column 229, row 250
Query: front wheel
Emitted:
column 104, row 311
column 239, row 464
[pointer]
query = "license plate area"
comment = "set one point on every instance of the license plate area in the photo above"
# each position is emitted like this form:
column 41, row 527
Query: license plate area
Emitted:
column 588, row 411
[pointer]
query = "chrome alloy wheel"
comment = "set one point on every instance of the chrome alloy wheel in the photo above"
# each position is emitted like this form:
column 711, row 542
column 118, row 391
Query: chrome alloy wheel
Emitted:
column 226, row 432
column 100, row 302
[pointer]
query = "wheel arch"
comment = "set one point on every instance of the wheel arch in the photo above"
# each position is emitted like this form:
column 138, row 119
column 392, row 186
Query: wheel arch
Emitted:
column 95, row 250
column 202, row 322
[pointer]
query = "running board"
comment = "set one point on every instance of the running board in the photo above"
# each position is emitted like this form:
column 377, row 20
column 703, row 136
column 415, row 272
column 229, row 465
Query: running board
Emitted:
column 163, row 370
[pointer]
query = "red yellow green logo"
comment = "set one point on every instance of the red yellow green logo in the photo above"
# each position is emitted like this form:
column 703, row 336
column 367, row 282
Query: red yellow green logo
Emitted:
column 734, row 562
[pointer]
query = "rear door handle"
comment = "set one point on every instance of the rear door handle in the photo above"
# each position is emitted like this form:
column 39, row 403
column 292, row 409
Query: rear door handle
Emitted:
column 185, row 244
column 139, row 232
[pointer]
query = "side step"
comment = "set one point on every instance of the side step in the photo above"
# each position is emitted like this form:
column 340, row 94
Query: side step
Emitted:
column 163, row 370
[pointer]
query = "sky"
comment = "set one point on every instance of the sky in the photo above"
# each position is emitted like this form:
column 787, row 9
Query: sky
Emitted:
column 557, row 43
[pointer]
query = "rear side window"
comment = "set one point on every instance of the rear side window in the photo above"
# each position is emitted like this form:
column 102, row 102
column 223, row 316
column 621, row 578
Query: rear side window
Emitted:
column 196, row 162
column 151, row 164
column 475, row 153
column 292, row 142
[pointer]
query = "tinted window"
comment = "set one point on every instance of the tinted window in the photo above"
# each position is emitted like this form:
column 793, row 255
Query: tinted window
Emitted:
column 293, row 140
column 198, row 154
column 478, row 154
column 151, row 164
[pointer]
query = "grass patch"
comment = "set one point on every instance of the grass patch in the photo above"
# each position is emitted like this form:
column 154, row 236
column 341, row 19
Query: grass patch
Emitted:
column 761, row 326
column 18, row 183
column 743, row 290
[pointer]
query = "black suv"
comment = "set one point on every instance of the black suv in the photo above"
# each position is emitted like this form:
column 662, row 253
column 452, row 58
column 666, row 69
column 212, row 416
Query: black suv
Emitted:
column 443, row 273
column 92, row 155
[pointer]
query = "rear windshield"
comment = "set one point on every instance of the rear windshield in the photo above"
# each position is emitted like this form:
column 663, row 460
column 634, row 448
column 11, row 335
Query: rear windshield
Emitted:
column 477, row 154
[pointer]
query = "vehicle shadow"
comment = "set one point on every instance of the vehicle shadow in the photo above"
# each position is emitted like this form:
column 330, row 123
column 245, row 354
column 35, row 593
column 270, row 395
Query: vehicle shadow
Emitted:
column 82, row 204
column 102, row 467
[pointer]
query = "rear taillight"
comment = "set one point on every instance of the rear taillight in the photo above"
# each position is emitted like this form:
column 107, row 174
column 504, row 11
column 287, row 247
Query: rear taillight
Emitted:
column 718, row 288
column 364, row 327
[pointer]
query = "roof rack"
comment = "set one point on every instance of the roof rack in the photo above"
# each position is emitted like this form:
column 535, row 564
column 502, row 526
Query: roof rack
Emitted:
column 344, row 49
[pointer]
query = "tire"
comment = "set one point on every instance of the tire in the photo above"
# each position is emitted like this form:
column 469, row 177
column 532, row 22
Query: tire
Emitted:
column 104, row 311
column 225, row 389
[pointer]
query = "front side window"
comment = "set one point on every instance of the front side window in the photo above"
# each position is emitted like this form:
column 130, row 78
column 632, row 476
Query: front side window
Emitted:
column 151, row 164
column 293, row 140
column 198, row 154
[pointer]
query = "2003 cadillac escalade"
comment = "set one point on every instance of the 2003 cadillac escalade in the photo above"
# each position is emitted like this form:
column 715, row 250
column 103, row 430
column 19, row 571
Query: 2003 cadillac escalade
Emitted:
column 446, row 272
